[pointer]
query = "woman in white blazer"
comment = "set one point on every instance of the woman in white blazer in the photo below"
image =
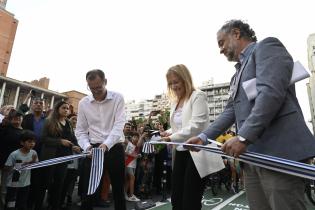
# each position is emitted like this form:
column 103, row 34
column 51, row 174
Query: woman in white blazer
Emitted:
column 189, row 116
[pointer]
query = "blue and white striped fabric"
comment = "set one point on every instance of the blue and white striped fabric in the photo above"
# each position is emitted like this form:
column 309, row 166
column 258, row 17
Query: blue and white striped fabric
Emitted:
column 148, row 148
column 265, row 161
column 52, row 161
column 96, row 169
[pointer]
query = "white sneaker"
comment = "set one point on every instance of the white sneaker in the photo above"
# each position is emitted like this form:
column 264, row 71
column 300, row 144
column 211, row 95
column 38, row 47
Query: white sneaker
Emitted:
column 133, row 198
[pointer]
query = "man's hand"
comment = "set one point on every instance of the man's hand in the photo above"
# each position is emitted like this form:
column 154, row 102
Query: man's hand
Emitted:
column 89, row 150
column 234, row 147
column 104, row 147
column 193, row 140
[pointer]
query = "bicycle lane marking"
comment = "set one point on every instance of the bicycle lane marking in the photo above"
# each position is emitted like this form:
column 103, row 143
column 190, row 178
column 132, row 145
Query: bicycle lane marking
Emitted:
column 159, row 203
column 226, row 202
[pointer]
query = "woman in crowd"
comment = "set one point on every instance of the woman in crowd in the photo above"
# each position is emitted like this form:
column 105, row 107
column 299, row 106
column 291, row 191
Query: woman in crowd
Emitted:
column 58, row 140
column 72, row 171
column 189, row 116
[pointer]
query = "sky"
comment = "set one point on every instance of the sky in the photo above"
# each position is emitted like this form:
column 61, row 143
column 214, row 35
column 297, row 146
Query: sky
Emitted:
column 136, row 41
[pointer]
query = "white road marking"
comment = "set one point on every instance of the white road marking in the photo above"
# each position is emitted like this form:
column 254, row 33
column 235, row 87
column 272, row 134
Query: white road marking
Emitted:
column 226, row 202
column 161, row 203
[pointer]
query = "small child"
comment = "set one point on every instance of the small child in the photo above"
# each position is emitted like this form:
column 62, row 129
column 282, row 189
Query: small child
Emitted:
column 132, row 153
column 18, row 183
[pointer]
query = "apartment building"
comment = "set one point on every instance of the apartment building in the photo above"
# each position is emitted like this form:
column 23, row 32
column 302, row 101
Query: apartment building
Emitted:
column 8, row 26
column 143, row 108
column 217, row 97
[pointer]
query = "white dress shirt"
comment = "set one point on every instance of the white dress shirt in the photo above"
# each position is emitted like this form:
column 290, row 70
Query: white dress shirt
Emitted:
column 101, row 121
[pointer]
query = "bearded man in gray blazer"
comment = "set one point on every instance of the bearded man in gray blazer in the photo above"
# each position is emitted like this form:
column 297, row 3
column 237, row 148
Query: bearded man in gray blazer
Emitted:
column 271, row 124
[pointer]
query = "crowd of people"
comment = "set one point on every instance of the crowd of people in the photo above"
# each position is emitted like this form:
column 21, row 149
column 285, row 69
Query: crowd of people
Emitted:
column 53, row 135
column 272, row 123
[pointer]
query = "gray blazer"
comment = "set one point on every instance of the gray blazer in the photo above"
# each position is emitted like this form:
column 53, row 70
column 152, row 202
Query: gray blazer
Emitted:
column 273, row 122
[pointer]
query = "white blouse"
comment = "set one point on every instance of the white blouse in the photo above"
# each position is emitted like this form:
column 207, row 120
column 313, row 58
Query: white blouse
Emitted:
column 178, row 118
column 178, row 113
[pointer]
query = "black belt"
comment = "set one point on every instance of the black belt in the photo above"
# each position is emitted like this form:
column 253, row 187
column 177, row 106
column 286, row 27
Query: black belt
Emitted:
column 98, row 144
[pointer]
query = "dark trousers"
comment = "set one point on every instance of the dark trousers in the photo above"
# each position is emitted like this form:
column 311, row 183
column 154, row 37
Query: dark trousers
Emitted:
column 16, row 198
column 114, row 163
column 51, row 178
column 187, row 186
column 158, row 170
column 69, row 183
column 34, row 187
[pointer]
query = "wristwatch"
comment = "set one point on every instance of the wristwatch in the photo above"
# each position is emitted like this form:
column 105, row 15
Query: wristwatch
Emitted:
column 243, row 140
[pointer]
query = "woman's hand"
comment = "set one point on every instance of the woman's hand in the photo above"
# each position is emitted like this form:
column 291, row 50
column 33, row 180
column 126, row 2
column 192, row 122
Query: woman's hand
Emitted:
column 165, row 134
column 66, row 143
column 76, row 149
column 166, row 139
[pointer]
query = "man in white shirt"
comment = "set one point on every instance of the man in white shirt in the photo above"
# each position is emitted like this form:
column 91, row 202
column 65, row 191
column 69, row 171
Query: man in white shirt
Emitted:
column 101, row 119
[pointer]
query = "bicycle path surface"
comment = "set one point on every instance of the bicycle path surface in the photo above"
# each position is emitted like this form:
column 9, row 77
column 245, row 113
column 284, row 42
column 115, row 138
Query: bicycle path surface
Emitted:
column 223, row 201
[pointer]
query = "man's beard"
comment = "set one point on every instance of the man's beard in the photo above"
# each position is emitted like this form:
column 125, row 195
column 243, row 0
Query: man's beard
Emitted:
column 230, row 55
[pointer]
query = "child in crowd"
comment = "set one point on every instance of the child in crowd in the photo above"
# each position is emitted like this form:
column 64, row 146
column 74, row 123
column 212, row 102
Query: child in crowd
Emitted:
column 18, row 183
column 132, row 153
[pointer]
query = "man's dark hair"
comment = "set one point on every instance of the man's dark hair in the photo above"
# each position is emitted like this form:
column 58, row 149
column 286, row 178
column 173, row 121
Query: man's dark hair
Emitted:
column 245, row 30
column 27, row 135
column 14, row 113
column 127, row 123
column 91, row 75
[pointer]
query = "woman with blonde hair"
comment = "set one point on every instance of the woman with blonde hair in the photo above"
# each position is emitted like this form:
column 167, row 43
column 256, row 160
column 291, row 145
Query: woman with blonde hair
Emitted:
column 189, row 115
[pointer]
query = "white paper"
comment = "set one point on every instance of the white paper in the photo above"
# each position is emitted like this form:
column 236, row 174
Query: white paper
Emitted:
column 299, row 73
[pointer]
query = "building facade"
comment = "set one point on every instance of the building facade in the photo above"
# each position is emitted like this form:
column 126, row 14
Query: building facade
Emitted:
column 13, row 92
column 73, row 98
column 217, row 97
column 8, row 26
column 143, row 108
column 311, row 83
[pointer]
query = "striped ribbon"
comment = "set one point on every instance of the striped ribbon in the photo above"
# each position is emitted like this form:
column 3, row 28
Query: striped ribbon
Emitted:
column 148, row 148
column 96, row 169
column 265, row 161
column 96, row 166
column 50, row 162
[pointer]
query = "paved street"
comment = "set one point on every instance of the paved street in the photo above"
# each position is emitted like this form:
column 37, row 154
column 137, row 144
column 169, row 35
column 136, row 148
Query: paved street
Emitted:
column 223, row 201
